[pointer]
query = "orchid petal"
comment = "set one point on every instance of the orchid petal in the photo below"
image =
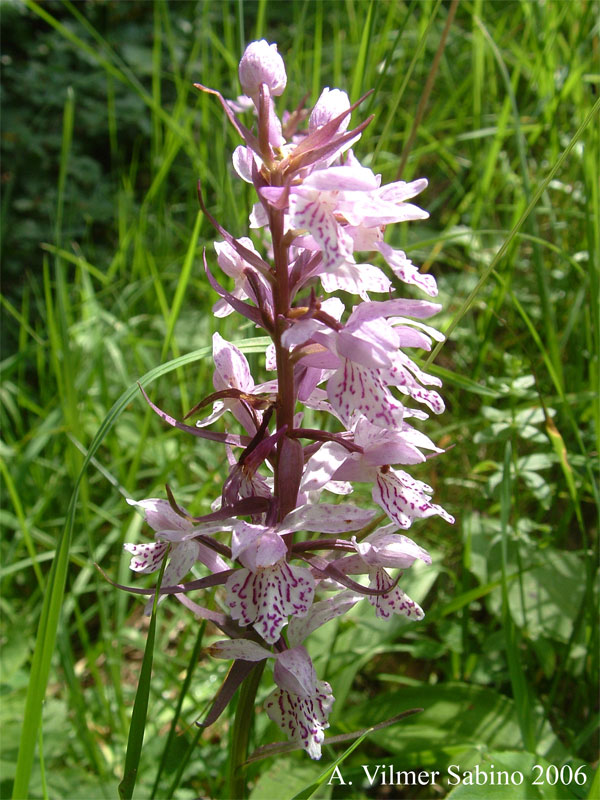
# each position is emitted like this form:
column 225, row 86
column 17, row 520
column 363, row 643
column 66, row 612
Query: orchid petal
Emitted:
column 320, row 613
column 147, row 556
column 354, row 388
column 384, row 548
column 242, row 162
column 210, row 559
column 404, row 499
column 400, row 375
column 302, row 719
column 313, row 211
column 268, row 549
column 388, row 308
column 219, row 408
column 232, row 368
column 258, row 543
column 320, row 468
column 356, row 279
column 300, row 331
column 176, row 536
column 183, row 557
column 262, row 64
column 160, row 515
column 369, row 345
column 331, row 103
column 354, row 179
column 294, row 672
column 406, row 271
column 327, row 518
column 400, row 191
column 395, row 601
column 266, row 598
column 244, row 649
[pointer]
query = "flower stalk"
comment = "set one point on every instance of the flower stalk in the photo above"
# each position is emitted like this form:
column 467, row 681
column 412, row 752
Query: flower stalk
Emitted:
column 240, row 733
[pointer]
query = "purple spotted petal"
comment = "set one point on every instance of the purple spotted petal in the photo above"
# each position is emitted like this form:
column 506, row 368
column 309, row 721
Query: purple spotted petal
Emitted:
column 147, row 556
column 402, row 374
column 183, row 556
column 313, row 211
column 406, row 271
column 355, row 388
column 353, row 179
column 320, row 468
column 391, row 308
column 404, row 499
column 395, row 601
column 302, row 719
column 266, row 598
column 356, row 279
column 400, row 191
column 372, row 211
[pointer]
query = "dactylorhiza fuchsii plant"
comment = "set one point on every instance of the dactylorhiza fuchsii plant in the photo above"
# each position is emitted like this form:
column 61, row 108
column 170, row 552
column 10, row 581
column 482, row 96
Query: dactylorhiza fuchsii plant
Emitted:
column 273, row 543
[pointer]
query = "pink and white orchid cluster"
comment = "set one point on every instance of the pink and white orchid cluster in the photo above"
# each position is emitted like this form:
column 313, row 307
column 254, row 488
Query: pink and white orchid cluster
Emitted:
column 317, row 209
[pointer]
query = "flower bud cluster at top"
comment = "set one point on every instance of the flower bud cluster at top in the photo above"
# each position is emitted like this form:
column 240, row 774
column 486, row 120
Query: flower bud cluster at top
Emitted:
column 316, row 208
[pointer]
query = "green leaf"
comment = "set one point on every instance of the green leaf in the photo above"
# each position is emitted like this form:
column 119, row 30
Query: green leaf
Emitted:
column 552, row 590
column 459, row 722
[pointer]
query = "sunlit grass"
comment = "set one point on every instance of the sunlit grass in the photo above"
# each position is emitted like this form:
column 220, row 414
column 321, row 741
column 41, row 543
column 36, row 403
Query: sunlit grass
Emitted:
column 505, row 662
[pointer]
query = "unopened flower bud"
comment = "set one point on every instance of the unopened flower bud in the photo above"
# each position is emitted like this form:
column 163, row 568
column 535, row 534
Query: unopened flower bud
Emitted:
column 261, row 63
column 330, row 104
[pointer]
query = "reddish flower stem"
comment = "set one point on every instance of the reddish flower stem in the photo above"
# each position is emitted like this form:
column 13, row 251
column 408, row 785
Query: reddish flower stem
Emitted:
column 285, row 370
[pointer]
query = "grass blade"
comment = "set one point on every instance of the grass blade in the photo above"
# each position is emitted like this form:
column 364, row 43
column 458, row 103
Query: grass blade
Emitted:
column 184, row 689
column 182, row 285
column 140, row 706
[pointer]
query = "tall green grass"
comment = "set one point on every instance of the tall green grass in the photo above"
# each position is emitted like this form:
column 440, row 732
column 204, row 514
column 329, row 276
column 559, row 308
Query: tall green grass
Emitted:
column 505, row 664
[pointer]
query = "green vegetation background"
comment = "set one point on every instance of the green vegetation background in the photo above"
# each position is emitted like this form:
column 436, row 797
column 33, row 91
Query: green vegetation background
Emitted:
column 103, row 140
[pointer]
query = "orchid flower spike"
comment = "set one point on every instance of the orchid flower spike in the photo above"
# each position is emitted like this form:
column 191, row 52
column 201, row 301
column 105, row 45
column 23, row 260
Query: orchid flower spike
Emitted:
column 281, row 544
